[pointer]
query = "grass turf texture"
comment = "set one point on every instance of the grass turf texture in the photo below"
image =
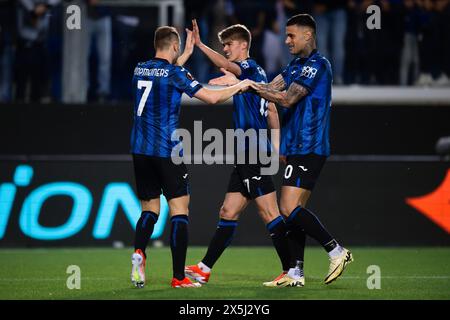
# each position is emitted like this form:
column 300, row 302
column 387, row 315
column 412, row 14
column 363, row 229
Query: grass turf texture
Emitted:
column 406, row 273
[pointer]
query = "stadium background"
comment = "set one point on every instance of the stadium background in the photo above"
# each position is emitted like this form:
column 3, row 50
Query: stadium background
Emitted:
column 382, row 155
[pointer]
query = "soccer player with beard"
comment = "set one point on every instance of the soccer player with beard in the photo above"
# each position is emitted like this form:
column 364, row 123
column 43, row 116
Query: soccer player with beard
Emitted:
column 303, row 89
column 158, row 85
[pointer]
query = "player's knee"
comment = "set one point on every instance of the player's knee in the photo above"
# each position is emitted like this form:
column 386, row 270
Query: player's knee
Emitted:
column 268, row 209
column 179, row 205
column 228, row 213
column 150, row 205
column 178, row 209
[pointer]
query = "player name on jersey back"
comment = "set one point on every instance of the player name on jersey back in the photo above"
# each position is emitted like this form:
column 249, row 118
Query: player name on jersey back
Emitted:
column 154, row 72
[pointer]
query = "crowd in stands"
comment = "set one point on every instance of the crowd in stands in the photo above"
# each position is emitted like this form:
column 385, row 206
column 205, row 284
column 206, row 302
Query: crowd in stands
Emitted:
column 42, row 61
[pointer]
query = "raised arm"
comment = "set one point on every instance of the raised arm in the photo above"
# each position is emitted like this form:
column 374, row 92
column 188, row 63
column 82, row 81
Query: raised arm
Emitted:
column 188, row 49
column 215, row 57
column 228, row 79
column 214, row 96
column 273, row 92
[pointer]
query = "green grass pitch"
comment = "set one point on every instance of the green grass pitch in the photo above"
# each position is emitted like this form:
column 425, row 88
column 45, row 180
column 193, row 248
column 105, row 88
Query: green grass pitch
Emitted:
column 406, row 273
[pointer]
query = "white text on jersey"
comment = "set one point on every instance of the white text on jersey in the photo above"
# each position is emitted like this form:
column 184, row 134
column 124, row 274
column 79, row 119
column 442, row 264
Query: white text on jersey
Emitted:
column 151, row 72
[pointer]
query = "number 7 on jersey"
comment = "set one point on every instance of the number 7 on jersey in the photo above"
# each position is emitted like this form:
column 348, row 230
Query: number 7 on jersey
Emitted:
column 147, row 85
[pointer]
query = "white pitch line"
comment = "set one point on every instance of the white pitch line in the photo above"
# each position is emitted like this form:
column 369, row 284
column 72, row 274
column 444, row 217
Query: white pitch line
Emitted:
column 390, row 277
column 439, row 277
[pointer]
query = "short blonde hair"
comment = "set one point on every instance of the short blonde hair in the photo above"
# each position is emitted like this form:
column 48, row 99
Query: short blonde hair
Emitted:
column 165, row 36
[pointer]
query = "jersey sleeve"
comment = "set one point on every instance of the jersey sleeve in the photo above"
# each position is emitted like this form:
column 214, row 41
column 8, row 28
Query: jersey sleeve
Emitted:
column 184, row 82
column 285, row 74
column 311, row 73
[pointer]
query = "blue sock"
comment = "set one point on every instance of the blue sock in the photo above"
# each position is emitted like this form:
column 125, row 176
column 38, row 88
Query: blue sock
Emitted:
column 178, row 244
column 144, row 230
column 220, row 241
column 277, row 230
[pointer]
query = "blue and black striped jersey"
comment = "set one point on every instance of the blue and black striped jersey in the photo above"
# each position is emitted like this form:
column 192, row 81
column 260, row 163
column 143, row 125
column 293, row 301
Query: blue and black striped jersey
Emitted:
column 305, row 126
column 250, row 110
column 157, row 87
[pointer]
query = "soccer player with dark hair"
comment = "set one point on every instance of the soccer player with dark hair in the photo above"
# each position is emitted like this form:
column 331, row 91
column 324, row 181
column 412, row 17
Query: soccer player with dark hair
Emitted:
column 303, row 89
column 246, row 181
column 158, row 85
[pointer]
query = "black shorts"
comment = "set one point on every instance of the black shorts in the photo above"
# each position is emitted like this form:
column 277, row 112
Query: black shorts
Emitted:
column 302, row 171
column 156, row 174
column 247, row 179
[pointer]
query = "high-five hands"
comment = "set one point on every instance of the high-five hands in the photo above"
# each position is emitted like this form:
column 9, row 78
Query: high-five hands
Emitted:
column 189, row 46
column 188, row 49
column 196, row 33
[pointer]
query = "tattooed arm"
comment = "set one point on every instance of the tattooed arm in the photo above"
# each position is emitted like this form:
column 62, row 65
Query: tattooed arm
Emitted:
column 277, row 83
column 273, row 92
